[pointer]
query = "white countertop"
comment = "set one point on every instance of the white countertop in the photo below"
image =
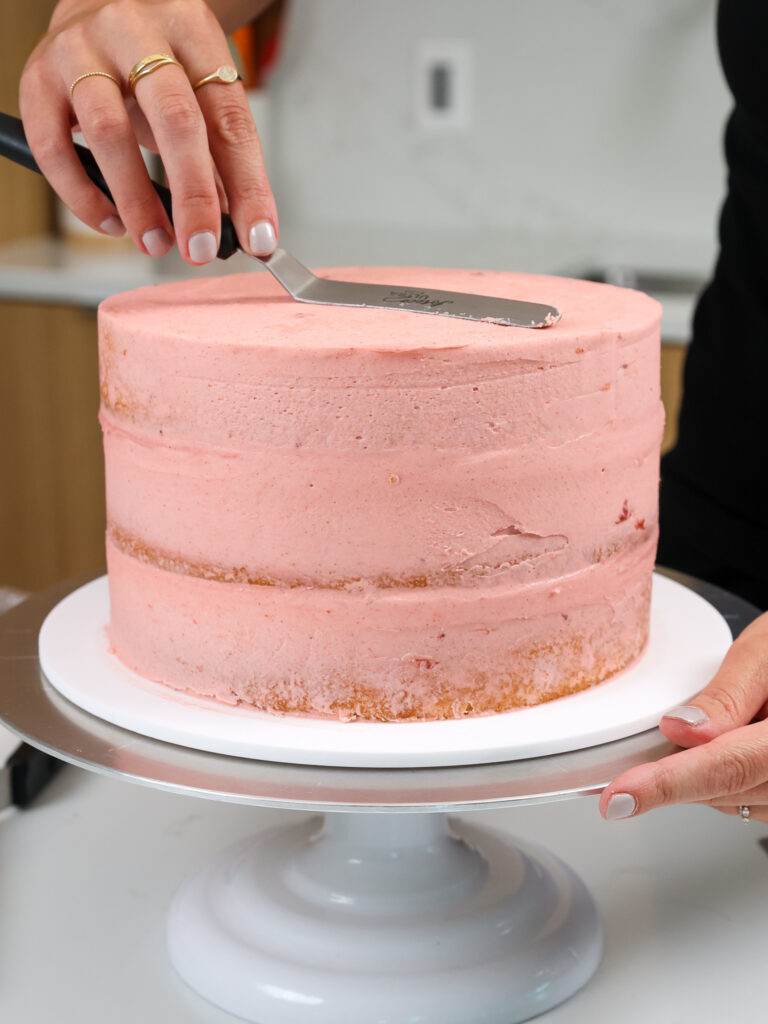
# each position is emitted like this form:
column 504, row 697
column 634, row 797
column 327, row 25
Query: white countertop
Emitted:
column 89, row 872
column 82, row 274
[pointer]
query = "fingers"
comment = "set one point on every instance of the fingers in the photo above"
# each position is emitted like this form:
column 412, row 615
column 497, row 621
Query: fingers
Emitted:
column 233, row 141
column 725, row 764
column 170, row 107
column 46, row 119
column 97, row 105
column 736, row 695
column 725, row 768
column 193, row 132
column 104, row 121
column 191, row 127
column 236, row 149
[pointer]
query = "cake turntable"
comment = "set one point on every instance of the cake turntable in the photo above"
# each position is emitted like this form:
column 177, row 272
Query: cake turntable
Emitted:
column 386, row 911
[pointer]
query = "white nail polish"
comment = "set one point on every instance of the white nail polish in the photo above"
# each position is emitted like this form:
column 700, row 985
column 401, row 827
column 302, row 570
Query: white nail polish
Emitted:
column 113, row 226
column 261, row 239
column 203, row 247
column 689, row 714
column 621, row 805
column 156, row 242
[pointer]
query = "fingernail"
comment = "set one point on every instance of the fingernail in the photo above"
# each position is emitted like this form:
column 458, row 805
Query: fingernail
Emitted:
column 113, row 226
column 156, row 242
column 261, row 239
column 689, row 714
column 203, row 247
column 621, row 805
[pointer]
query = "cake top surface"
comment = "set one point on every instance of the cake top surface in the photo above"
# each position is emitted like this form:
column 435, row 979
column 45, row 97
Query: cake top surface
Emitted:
column 252, row 310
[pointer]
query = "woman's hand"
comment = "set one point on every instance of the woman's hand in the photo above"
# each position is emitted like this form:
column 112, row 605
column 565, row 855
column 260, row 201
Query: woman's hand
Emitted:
column 726, row 732
column 197, row 133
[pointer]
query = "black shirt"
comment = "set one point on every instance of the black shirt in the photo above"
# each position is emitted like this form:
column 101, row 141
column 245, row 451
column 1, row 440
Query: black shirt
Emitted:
column 714, row 493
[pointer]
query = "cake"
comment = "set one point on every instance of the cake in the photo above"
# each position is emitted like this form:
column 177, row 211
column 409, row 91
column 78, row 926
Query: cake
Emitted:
column 378, row 514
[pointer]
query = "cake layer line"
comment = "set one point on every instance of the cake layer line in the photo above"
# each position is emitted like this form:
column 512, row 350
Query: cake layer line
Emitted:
column 344, row 655
column 534, row 594
column 488, row 575
column 416, row 515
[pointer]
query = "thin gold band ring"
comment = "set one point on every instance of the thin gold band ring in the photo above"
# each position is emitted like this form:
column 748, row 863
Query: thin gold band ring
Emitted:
column 149, row 64
column 93, row 74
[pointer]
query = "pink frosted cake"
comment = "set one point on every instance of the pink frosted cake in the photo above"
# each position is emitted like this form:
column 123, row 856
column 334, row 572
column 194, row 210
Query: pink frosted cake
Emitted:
column 379, row 514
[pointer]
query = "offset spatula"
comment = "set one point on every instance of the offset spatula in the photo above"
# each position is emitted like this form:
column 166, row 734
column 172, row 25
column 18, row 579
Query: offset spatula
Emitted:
column 302, row 283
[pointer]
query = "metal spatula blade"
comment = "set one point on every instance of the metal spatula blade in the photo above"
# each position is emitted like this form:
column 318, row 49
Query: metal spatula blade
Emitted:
column 304, row 286
column 301, row 283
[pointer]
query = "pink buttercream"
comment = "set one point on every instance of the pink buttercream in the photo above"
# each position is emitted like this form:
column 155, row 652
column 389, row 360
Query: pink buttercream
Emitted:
column 301, row 498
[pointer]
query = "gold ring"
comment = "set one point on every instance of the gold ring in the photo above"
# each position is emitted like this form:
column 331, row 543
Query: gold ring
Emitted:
column 147, row 65
column 94, row 74
column 744, row 812
column 226, row 74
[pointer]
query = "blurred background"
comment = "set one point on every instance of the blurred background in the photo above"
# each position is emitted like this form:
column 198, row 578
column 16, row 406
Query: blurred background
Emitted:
column 578, row 137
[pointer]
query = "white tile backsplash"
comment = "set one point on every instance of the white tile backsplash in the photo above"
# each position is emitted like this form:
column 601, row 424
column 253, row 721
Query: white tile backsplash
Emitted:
column 595, row 127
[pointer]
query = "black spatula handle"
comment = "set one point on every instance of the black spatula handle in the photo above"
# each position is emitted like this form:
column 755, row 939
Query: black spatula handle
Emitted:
column 14, row 145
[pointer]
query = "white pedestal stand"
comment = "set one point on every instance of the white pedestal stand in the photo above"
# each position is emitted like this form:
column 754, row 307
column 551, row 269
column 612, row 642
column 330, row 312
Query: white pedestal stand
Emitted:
column 385, row 918
column 375, row 914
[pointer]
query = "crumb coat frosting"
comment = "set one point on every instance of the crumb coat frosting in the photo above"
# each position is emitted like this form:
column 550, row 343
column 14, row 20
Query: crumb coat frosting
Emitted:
column 312, row 483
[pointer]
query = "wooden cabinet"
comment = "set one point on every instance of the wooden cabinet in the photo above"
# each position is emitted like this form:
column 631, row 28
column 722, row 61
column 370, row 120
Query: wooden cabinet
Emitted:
column 51, row 470
column 672, row 364
column 51, row 476
column 25, row 199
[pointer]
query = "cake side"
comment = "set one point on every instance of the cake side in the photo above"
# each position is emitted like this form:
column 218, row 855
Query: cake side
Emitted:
column 443, row 468
column 408, row 655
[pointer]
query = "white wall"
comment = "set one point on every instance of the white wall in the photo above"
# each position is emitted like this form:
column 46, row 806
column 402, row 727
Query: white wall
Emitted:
column 595, row 134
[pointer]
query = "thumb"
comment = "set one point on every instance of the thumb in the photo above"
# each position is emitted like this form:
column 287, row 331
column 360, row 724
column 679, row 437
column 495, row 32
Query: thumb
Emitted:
column 734, row 697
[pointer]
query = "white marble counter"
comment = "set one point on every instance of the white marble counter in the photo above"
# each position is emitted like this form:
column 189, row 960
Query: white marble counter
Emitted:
column 89, row 872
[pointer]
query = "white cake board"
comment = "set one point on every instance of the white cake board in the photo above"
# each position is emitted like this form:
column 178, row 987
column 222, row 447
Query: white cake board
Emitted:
column 688, row 639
